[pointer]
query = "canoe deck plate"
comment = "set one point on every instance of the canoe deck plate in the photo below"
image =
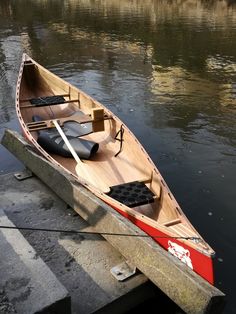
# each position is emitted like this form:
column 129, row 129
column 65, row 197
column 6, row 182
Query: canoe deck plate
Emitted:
column 123, row 271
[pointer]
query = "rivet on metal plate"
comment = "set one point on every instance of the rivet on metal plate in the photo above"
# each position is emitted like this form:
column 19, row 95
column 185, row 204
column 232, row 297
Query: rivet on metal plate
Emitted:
column 25, row 174
column 123, row 271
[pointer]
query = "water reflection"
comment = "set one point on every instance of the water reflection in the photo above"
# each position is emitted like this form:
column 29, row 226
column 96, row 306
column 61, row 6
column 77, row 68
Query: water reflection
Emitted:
column 167, row 68
column 178, row 56
column 196, row 102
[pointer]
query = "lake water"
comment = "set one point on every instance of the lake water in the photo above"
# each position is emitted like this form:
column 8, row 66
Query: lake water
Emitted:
column 168, row 70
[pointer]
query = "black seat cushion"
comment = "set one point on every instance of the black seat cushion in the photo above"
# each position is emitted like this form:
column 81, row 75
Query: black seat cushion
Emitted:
column 48, row 100
column 132, row 194
column 73, row 128
column 51, row 141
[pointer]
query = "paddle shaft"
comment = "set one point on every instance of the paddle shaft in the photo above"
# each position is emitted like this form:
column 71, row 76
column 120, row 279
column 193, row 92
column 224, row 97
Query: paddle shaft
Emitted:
column 65, row 139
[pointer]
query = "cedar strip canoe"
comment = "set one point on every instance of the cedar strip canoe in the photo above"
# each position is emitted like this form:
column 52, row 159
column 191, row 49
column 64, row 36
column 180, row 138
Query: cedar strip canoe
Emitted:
column 105, row 157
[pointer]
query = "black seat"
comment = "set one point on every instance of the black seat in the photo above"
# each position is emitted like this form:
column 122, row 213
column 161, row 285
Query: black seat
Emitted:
column 132, row 194
column 47, row 100
column 51, row 141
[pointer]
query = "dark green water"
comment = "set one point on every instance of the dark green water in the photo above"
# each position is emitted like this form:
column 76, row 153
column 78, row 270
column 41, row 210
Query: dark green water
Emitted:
column 168, row 70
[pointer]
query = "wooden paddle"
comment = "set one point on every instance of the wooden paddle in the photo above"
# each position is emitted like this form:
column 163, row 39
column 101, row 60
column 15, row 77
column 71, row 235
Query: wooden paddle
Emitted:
column 83, row 170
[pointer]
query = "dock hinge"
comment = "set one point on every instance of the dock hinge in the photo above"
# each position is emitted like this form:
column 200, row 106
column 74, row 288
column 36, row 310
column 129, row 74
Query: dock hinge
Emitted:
column 123, row 271
column 25, row 174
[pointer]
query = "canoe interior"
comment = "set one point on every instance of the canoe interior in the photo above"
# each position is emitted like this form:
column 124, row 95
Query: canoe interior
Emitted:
column 131, row 164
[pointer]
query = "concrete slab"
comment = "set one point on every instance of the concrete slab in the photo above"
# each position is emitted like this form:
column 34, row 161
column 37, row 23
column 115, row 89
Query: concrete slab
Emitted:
column 82, row 263
column 25, row 278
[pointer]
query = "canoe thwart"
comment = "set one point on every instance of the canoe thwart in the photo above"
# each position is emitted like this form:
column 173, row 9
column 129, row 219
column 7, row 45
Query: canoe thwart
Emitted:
column 54, row 102
column 132, row 194
column 30, row 99
column 47, row 124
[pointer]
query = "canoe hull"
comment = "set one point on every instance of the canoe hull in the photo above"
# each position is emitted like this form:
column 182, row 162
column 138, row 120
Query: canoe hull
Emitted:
column 195, row 260
column 181, row 244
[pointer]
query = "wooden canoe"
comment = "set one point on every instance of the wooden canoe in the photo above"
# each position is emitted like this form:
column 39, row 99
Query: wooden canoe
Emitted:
column 105, row 157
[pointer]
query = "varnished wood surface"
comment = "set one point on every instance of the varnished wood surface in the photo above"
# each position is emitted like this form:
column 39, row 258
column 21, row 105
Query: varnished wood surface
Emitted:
column 131, row 164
